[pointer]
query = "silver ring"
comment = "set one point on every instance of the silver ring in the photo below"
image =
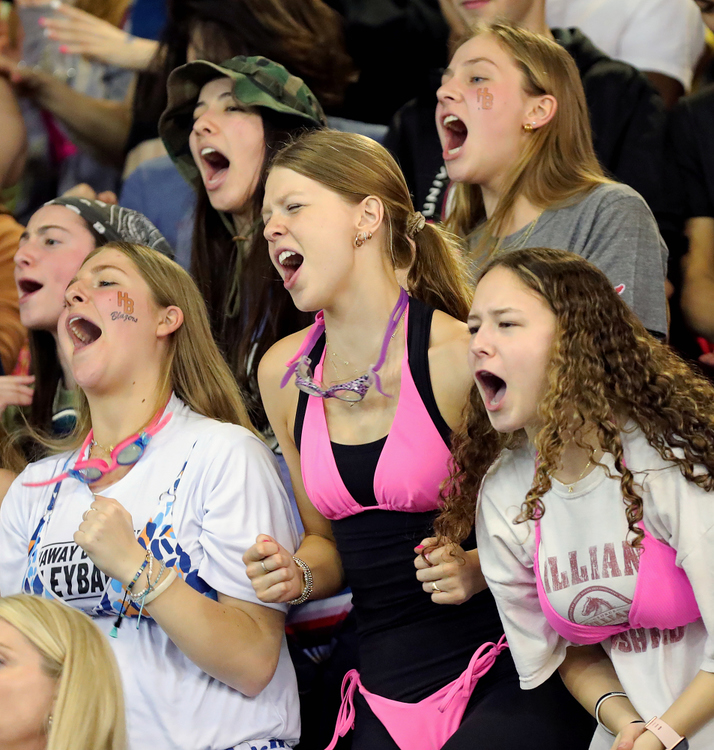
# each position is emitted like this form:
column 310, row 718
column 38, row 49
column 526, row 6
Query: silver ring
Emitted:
column 84, row 515
column 435, row 587
column 265, row 570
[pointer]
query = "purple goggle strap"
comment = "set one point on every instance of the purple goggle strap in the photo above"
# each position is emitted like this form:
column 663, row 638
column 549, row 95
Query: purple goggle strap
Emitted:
column 361, row 384
column 98, row 463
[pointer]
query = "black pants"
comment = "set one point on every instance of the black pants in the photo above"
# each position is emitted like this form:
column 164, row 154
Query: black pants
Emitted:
column 500, row 716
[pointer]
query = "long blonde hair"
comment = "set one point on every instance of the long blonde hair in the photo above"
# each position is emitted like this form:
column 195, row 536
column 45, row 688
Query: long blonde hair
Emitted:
column 88, row 712
column 558, row 164
column 354, row 166
column 194, row 370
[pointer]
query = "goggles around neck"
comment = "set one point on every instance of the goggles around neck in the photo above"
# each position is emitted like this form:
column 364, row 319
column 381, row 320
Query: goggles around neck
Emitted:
column 352, row 390
column 126, row 453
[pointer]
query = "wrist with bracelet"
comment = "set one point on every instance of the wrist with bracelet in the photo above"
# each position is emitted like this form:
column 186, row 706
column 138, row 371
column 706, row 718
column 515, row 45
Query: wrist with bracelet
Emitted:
column 598, row 707
column 307, row 582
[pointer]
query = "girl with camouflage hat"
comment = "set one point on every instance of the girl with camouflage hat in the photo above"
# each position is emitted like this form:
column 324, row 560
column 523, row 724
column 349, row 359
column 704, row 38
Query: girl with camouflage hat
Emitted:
column 222, row 125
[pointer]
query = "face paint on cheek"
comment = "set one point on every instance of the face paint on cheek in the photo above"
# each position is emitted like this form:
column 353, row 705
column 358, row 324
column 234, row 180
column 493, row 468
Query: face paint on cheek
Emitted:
column 125, row 301
column 484, row 97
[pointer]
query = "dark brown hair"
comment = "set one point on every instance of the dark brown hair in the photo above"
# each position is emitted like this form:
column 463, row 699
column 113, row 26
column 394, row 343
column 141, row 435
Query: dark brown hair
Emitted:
column 605, row 369
column 305, row 36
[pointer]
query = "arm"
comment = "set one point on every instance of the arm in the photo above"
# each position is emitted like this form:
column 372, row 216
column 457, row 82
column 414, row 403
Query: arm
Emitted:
column 284, row 580
column 12, row 332
column 81, row 33
column 588, row 674
column 624, row 242
column 12, row 126
column 237, row 490
column 456, row 572
column 506, row 551
column 100, row 126
column 698, row 276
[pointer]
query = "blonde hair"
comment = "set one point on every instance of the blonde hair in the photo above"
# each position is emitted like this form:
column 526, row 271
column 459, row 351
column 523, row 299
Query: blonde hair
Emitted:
column 558, row 164
column 194, row 370
column 88, row 712
column 354, row 167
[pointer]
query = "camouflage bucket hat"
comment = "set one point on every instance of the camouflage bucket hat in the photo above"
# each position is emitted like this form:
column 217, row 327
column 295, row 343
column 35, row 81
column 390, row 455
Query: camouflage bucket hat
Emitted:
column 257, row 82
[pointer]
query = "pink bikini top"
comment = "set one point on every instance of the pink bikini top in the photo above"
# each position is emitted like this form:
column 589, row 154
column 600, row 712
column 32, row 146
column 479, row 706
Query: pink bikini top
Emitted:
column 411, row 467
column 663, row 597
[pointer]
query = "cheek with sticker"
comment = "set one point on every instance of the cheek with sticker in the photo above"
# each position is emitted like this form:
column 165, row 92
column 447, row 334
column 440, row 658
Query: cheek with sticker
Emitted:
column 484, row 97
column 126, row 307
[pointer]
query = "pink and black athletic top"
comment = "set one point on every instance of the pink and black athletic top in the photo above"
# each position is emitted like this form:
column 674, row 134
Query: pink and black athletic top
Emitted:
column 397, row 480
column 663, row 597
column 404, row 470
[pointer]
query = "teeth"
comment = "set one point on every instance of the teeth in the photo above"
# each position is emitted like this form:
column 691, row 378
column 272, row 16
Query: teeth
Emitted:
column 76, row 330
column 452, row 151
column 285, row 255
column 449, row 119
column 208, row 150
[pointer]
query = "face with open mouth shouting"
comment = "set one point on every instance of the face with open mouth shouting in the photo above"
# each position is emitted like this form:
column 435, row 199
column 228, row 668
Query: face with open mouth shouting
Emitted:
column 111, row 330
column 512, row 332
column 310, row 231
column 52, row 248
column 228, row 145
column 480, row 114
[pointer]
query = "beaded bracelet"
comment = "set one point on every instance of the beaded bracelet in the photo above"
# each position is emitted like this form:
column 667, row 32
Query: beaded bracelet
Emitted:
column 141, row 596
column 147, row 560
column 307, row 577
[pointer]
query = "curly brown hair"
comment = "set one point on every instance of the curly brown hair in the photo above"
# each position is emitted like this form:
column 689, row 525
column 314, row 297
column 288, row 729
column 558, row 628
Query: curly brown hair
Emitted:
column 605, row 369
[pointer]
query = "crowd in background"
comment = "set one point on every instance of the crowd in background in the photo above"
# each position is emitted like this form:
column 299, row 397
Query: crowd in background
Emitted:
column 184, row 184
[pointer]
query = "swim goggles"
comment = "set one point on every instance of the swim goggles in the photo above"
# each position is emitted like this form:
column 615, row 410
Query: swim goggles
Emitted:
column 353, row 390
column 126, row 453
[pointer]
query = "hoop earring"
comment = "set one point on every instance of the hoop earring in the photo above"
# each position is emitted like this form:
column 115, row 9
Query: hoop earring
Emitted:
column 360, row 239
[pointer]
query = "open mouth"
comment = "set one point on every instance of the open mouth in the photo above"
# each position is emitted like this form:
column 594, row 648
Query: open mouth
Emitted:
column 494, row 388
column 28, row 287
column 82, row 331
column 216, row 165
column 455, row 133
column 289, row 261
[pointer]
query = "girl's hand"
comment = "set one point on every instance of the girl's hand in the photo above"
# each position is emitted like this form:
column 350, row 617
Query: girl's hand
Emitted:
column 625, row 739
column 15, row 390
column 275, row 576
column 449, row 573
column 81, row 33
column 106, row 534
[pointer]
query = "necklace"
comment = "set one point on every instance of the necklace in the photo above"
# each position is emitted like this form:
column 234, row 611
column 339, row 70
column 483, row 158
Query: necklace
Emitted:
column 582, row 474
column 334, row 356
column 529, row 231
column 107, row 450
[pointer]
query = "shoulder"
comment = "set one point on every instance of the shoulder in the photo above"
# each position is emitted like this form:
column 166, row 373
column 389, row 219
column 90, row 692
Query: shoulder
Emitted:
column 698, row 106
column 272, row 366
column 509, row 477
column 613, row 193
column 448, row 359
column 603, row 202
column 448, row 331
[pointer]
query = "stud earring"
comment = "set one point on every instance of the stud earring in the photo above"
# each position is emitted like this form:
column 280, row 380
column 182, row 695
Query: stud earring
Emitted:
column 528, row 127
